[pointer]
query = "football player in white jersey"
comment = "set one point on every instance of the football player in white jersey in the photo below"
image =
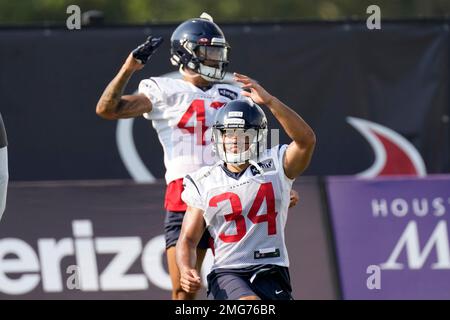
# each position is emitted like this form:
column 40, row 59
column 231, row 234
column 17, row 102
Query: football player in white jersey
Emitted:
column 181, row 111
column 243, row 200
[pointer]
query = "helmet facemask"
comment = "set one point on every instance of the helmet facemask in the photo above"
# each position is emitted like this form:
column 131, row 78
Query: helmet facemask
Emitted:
column 239, row 145
column 213, row 61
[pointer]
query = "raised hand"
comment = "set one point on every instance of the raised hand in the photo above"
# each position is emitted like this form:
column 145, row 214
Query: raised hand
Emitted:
column 145, row 50
column 257, row 93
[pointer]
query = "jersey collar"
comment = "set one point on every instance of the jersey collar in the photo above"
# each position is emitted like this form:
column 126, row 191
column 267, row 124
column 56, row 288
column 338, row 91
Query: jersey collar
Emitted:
column 231, row 174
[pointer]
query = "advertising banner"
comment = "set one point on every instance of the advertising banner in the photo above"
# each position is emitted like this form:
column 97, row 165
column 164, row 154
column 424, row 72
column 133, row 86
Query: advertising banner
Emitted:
column 391, row 236
column 105, row 240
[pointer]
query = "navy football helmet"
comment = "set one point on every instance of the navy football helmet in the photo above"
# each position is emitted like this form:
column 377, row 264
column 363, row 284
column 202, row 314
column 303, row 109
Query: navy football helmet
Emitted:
column 239, row 132
column 200, row 45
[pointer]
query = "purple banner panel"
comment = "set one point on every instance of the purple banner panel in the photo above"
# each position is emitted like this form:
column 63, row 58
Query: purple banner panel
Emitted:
column 392, row 236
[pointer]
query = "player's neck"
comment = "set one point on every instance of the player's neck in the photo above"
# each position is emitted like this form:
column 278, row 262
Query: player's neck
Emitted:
column 237, row 167
column 195, row 78
column 197, row 81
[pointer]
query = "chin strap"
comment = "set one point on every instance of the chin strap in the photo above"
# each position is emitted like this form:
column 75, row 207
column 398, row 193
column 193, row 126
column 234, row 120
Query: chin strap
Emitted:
column 196, row 74
column 186, row 74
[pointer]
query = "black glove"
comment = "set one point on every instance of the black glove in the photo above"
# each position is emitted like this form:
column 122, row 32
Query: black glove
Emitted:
column 145, row 50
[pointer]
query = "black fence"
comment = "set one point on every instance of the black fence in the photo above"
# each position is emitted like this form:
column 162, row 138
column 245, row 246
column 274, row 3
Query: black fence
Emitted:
column 51, row 78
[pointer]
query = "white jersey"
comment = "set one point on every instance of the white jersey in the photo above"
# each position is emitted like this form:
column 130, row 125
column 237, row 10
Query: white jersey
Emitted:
column 246, row 213
column 182, row 114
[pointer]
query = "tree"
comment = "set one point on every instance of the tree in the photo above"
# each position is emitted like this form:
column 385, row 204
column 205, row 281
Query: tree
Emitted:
column 39, row 12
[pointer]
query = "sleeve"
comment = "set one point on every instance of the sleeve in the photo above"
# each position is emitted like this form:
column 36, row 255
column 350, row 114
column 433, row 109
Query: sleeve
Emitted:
column 154, row 93
column 3, row 140
column 281, row 151
column 191, row 194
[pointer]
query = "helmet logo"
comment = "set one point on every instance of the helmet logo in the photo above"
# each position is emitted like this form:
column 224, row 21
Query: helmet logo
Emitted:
column 235, row 114
column 203, row 40
column 234, row 122
column 218, row 41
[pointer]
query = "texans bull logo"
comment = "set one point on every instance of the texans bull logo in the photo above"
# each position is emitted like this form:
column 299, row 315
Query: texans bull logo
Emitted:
column 394, row 155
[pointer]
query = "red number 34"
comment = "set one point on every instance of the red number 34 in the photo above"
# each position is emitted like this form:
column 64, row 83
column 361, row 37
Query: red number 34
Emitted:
column 264, row 192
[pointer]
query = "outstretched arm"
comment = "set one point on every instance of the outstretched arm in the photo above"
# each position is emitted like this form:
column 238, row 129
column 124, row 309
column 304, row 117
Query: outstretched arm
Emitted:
column 298, row 154
column 191, row 232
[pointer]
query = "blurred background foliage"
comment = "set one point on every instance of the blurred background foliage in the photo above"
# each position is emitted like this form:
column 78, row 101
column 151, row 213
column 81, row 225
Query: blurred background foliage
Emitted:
column 39, row 12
